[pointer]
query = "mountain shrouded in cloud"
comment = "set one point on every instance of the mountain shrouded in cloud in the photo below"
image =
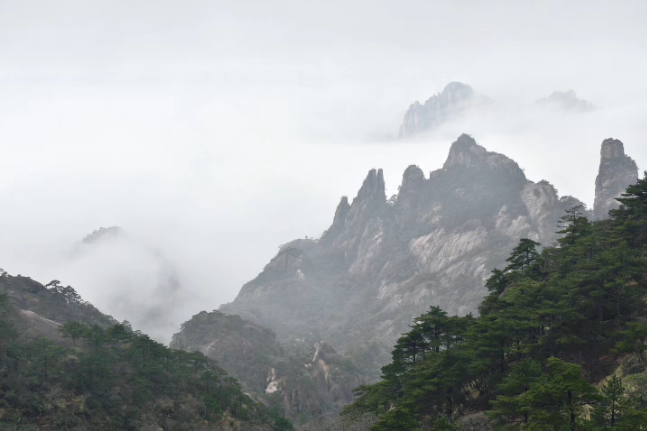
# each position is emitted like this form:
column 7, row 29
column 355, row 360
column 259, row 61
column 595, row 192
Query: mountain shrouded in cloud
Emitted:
column 128, row 279
column 453, row 101
column 382, row 262
column 566, row 101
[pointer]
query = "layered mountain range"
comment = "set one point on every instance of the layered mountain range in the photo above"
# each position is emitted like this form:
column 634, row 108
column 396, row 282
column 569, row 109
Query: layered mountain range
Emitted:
column 458, row 100
column 323, row 315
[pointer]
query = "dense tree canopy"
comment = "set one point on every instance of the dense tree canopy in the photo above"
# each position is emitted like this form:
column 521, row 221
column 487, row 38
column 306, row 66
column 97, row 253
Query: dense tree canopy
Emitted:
column 115, row 379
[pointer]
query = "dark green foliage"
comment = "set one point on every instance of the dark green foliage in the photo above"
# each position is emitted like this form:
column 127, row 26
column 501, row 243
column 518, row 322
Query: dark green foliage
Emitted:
column 553, row 326
column 523, row 255
column 115, row 379
column 574, row 225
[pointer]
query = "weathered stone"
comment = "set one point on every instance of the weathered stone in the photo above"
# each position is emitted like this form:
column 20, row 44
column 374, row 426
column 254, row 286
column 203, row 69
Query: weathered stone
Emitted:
column 451, row 102
column 381, row 264
column 617, row 172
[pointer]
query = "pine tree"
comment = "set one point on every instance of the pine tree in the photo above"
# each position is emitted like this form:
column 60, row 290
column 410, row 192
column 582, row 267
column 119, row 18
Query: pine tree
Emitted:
column 631, row 217
column 558, row 399
column 523, row 255
column 573, row 225
column 74, row 330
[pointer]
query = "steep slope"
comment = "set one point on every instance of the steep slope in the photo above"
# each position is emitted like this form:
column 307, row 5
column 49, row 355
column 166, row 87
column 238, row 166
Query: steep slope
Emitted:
column 311, row 381
column 50, row 303
column 455, row 98
column 382, row 263
column 106, row 376
column 617, row 172
column 559, row 343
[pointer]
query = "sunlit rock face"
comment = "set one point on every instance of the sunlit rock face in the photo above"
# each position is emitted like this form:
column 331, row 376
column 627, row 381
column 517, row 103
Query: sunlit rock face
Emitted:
column 451, row 102
column 566, row 101
column 381, row 262
column 617, row 172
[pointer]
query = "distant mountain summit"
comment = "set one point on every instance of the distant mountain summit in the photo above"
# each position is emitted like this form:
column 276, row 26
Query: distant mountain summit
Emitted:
column 129, row 278
column 451, row 102
column 103, row 233
column 566, row 101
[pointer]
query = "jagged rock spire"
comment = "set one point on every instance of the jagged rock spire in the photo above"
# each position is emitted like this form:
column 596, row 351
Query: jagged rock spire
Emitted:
column 373, row 186
column 411, row 192
column 617, row 172
column 338, row 222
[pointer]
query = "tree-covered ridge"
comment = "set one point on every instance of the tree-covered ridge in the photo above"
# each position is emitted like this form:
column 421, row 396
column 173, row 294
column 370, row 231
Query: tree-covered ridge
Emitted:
column 555, row 325
column 115, row 379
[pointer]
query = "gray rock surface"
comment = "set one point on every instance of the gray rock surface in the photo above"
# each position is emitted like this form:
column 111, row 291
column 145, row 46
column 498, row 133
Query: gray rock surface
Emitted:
column 313, row 379
column 617, row 172
column 451, row 102
column 382, row 263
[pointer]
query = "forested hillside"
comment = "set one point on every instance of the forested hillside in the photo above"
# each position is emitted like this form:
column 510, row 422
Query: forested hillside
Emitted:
column 102, row 375
column 308, row 382
column 559, row 343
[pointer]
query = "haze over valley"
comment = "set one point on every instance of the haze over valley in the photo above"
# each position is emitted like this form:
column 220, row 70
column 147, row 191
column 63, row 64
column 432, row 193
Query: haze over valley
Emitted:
column 284, row 190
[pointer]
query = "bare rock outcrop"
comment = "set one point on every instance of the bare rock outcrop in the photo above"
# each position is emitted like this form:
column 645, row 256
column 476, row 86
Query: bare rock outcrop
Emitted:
column 617, row 172
column 382, row 263
column 455, row 98
column 313, row 379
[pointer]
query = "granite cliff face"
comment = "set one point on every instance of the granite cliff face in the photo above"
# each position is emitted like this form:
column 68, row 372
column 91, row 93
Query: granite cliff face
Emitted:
column 381, row 262
column 451, row 102
column 617, row 172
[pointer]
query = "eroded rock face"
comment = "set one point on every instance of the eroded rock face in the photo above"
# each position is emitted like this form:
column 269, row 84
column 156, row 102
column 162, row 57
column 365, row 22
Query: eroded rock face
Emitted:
column 381, row 264
column 451, row 102
column 312, row 379
column 617, row 172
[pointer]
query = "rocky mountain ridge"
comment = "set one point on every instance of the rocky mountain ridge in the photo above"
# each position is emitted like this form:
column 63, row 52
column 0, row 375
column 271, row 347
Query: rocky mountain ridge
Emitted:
column 381, row 262
column 458, row 100
column 455, row 98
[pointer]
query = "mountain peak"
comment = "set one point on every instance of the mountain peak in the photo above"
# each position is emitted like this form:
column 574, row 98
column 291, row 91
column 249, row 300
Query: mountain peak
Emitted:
column 439, row 108
column 566, row 101
column 464, row 152
column 458, row 88
column 373, row 186
column 611, row 149
column 467, row 153
column 103, row 233
column 617, row 172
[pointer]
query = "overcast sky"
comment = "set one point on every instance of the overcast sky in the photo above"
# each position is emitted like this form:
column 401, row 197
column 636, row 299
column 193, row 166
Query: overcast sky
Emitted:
column 218, row 130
